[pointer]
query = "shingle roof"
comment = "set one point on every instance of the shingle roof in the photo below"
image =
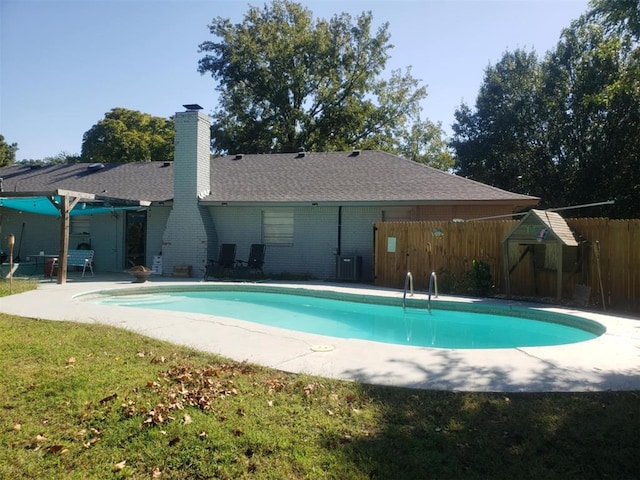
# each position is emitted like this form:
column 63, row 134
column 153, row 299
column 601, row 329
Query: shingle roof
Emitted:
column 151, row 181
column 370, row 176
column 557, row 225
column 528, row 229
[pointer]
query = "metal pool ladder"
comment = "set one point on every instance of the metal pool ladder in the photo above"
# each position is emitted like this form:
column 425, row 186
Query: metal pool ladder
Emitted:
column 433, row 287
column 408, row 282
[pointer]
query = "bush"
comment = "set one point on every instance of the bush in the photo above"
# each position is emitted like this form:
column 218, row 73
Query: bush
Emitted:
column 481, row 279
column 476, row 282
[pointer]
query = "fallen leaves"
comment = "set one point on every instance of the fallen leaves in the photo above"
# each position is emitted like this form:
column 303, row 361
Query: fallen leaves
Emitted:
column 93, row 438
column 39, row 443
column 157, row 415
column 108, row 398
column 57, row 449
column 312, row 387
column 183, row 386
column 275, row 384
column 91, row 442
column 160, row 359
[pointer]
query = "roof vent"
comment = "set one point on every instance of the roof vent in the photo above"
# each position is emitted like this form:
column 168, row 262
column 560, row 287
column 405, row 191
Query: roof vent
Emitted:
column 35, row 166
column 238, row 156
column 94, row 167
column 355, row 153
column 301, row 152
column 167, row 164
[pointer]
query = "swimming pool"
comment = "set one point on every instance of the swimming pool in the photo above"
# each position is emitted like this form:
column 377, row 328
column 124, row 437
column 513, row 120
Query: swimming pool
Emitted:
column 448, row 325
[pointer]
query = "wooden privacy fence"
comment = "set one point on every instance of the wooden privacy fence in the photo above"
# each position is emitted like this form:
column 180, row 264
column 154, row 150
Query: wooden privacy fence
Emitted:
column 611, row 269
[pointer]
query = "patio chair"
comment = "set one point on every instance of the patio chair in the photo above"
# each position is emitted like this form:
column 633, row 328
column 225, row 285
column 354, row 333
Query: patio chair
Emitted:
column 256, row 257
column 226, row 261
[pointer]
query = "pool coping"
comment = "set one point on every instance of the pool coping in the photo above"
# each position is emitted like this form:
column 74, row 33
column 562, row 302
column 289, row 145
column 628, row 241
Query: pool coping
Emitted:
column 609, row 362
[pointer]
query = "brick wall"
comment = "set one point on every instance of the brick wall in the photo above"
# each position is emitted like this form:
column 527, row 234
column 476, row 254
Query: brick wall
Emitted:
column 315, row 238
column 189, row 232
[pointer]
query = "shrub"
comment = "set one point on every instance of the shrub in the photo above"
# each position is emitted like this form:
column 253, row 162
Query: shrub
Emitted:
column 477, row 281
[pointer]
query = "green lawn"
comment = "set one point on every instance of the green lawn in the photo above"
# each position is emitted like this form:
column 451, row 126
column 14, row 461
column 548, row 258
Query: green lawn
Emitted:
column 84, row 401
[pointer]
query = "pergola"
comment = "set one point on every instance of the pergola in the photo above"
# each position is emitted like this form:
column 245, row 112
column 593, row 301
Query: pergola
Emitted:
column 63, row 203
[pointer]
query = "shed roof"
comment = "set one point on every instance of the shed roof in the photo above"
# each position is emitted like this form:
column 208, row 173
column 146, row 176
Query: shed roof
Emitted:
column 531, row 229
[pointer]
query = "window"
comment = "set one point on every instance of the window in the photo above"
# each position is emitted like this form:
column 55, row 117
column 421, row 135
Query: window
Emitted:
column 277, row 227
column 80, row 224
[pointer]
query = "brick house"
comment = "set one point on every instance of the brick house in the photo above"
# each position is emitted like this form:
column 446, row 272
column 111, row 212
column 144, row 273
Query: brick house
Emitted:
column 308, row 208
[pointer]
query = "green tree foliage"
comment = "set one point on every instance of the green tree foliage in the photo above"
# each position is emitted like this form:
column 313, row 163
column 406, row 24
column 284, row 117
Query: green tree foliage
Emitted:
column 620, row 15
column 7, row 152
column 128, row 136
column 502, row 142
column 566, row 128
column 60, row 158
column 592, row 81
column 63, row 157
column 287, row 81
column 425, row 143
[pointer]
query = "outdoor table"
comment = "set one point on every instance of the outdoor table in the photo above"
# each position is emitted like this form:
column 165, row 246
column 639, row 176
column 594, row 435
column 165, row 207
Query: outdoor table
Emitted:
column 41, row 257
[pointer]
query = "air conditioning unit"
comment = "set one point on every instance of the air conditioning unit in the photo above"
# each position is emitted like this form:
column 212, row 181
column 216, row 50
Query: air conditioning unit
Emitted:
column 348, row 268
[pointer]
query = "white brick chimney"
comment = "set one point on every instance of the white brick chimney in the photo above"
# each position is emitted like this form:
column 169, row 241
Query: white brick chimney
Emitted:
column 189, row 227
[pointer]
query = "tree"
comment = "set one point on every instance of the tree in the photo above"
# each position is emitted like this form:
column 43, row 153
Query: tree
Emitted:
column 566, row 129
column 287, row 82
column 128, row 136
column 7, row 152
column 425, row 144
column 58, row 159
column 502, row 142
column 593, row 78
column 620, row 15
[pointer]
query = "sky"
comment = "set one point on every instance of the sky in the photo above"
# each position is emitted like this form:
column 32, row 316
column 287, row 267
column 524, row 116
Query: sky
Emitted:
column 64, row 64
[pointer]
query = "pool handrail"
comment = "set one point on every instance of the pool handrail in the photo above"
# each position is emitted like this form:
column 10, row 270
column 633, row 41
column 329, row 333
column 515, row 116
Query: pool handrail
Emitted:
column 433, row 282
column 408, row 281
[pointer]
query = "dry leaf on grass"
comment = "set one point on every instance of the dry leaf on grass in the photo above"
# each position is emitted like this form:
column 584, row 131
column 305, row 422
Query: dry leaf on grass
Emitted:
column 119, row 466
column 91, row 442
column 109, row 398
column 57, row 449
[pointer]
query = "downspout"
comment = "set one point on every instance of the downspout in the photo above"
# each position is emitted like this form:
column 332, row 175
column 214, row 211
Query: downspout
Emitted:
column 339, row 249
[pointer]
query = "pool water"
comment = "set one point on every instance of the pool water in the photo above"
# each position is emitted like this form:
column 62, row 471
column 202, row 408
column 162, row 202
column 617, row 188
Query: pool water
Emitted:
column 367, row 321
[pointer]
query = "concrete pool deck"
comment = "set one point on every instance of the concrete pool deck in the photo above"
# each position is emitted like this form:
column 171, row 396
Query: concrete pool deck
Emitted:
column 609, row 362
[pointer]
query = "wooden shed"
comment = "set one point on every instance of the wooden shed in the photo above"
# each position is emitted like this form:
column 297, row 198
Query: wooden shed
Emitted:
column 548, row 242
